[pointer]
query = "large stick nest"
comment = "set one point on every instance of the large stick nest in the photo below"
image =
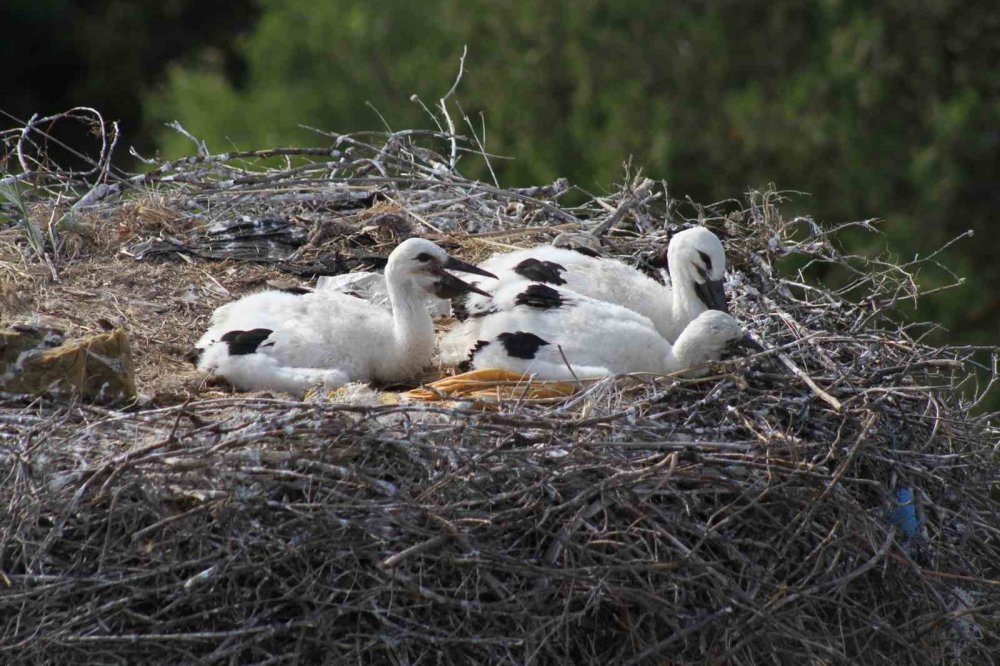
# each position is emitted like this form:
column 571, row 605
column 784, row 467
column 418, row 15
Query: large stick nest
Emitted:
column 747, row 517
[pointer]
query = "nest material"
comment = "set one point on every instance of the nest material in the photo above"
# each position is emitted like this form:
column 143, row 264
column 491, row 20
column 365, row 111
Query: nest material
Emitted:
column 38, row 361
column 495, row 387
column 745, row 517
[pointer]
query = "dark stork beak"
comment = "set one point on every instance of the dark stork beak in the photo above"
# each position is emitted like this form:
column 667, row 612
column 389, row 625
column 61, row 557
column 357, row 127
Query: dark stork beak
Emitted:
column 712, row 295
column 447, row 286
column 454, row 264
column 744, row 343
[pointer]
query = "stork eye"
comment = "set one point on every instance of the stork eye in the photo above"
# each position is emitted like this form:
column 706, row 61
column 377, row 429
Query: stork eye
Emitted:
column 707, row 259
column 423, row 256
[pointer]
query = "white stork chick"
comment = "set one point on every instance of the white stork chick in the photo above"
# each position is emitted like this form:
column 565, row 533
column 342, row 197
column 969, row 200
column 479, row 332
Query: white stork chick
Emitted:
column 293, row 341
column 696, row 261
column 541, row 328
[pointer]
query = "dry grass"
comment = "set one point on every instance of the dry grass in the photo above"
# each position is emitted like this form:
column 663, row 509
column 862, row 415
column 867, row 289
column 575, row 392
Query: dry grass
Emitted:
column 739, row 518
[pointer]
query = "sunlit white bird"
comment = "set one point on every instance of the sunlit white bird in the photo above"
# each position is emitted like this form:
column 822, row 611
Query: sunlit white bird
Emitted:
column 293, row 341
column 696, row 262
column 545, row 331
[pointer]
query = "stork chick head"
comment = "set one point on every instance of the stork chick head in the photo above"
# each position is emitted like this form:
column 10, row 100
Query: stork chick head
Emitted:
column 699, row 254
column 424, row 263
column 712, row 336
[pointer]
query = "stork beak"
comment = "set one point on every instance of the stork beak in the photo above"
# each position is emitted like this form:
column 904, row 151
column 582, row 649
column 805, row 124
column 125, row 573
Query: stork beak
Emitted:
column 712, row 295
column 454, row 264
column 746, row 342
column 447, row 287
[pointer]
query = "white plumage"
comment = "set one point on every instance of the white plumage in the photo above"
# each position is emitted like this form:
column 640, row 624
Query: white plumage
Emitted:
column 695, row 258
column 371, row 286
column 291, row 342
column 540, row 328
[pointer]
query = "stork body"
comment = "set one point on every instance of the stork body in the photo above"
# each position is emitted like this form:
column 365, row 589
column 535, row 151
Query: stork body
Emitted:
column 291, row 342
column 555, row 333
column 695, row 258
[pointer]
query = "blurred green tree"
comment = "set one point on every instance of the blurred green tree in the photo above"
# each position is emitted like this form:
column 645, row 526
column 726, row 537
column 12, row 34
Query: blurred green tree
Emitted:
column 105, row 54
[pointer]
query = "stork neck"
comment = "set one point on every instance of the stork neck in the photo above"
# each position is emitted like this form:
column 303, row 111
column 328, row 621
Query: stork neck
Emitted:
column 692, row 348
column 413, row 329
column 684, row 301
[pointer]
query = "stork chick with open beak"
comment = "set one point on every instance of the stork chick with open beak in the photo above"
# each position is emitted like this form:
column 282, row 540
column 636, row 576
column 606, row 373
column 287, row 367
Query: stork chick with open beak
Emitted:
column 291, row 342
